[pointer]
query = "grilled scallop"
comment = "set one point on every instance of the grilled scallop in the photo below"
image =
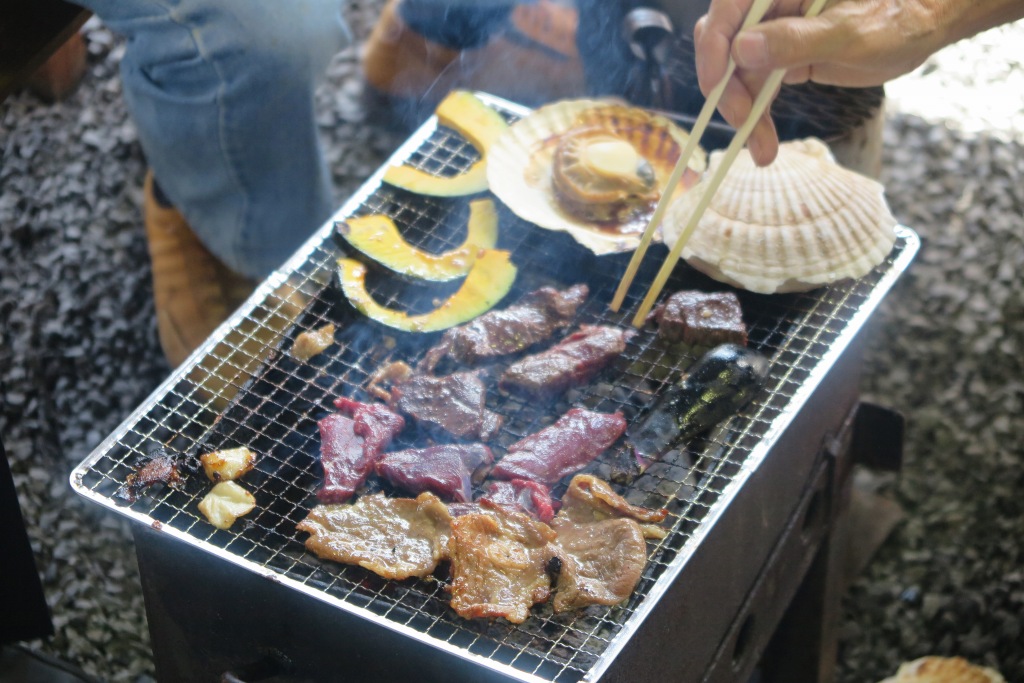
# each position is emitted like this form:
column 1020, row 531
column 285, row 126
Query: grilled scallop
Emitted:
column 944, row 670
column 592, row 168
column 800, row 223
column 601, row 177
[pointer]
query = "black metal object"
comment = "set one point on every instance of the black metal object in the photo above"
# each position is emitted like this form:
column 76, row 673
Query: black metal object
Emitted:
column 612, row 68
column 27, row 615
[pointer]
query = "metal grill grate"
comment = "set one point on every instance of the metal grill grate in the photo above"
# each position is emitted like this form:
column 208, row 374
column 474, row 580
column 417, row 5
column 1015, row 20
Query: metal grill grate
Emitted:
column 242, row 388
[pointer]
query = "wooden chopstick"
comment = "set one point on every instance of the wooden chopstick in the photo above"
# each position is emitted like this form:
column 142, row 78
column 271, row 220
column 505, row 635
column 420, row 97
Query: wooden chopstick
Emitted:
column 754, row 15
column 760, row 105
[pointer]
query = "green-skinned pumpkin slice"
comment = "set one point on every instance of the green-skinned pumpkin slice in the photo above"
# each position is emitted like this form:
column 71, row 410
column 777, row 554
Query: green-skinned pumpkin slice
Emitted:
column 468, row 115
column 378, row 238
column 487, row 283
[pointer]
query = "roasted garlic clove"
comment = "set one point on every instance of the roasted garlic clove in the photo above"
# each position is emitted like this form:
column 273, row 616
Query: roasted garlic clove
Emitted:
column 228, row 464
column 226, row 502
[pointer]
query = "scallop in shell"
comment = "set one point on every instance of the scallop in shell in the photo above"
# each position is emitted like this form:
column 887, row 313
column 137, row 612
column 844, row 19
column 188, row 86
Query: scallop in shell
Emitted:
column 592, row 168
column 944, row 670
column 802, row 222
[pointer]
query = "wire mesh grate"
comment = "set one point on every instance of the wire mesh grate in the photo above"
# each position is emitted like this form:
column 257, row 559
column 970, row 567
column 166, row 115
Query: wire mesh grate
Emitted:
column 243, row 388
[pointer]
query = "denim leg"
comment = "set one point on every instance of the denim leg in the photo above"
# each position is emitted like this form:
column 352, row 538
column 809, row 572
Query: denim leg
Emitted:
column 221, row 92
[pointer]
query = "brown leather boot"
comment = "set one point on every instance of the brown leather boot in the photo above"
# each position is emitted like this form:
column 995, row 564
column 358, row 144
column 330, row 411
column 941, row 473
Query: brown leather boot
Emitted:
column 399, row 62
column 193, row 291
column 531, row 59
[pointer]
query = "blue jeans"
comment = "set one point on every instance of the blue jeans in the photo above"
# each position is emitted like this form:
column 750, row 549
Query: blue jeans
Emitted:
column 221, row 92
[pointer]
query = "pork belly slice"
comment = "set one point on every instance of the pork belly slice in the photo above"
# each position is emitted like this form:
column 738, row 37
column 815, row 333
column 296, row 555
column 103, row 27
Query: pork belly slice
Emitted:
column 454, row 403
column 532, row 319
column 601, row 544
column 701, row 318
column 522, row 495
column 393, row 537
column 567, row 446
column 444, row 470
column 499, row 564
column 349, row 447
column 601, row 562
column 589, row 499
column 571, row 362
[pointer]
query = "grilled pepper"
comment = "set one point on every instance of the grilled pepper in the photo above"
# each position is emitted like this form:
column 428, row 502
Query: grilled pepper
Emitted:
column 717, row 386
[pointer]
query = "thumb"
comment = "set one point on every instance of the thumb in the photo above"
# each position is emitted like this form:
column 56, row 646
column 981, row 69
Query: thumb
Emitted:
column 788, row 43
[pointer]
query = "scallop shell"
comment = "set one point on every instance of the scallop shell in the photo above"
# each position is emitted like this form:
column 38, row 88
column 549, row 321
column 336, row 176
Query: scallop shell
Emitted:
column 944, row 670
column 519, row 166
column 800, row 223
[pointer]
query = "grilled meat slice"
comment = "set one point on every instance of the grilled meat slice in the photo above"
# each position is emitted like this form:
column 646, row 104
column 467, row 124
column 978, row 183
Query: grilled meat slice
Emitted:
column 701, row 318
column 523, row 495
column 499, row 564
column 443, row 470
column 573, row 361
column 376, row 423
column 349, row 447
column 497, row 333
column 455, row 403
column 589, row 499
column 601, row 562
column 568, row 445
column 393, row 537
column 601, row 543
column 343, row 459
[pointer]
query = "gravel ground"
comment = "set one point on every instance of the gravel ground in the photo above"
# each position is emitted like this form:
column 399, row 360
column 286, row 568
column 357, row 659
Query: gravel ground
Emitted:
column 79, row 352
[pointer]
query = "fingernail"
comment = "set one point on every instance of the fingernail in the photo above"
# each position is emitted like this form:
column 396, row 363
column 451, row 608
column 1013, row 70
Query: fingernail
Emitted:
column 750, row 50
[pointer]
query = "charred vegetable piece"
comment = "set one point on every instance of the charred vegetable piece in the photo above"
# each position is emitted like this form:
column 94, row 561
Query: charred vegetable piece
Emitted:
column 478, row 123
column 487, row 283
column 717, row 386
column 160, row 469
column 377, row 237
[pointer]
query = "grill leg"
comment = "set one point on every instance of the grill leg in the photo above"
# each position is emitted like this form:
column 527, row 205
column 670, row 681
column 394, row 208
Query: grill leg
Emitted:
column 804, row 646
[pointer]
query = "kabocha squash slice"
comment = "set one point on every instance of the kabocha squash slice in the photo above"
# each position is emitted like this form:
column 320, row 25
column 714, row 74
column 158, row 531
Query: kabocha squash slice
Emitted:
column 465, row 113
column 378, row 238
column 488, row 281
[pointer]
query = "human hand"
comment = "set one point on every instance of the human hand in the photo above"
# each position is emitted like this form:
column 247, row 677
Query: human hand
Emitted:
column 853, row 43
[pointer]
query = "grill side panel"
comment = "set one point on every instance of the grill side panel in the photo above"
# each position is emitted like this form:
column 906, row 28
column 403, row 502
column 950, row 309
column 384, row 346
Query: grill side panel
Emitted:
column 679, row 639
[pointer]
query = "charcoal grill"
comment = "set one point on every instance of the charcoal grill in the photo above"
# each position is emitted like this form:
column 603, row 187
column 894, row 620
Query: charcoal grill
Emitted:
column 749, row 505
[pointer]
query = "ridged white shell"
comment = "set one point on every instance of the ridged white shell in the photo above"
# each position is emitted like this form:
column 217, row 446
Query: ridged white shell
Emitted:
column 944, row 670
column 800, row 223
column 519, row 166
